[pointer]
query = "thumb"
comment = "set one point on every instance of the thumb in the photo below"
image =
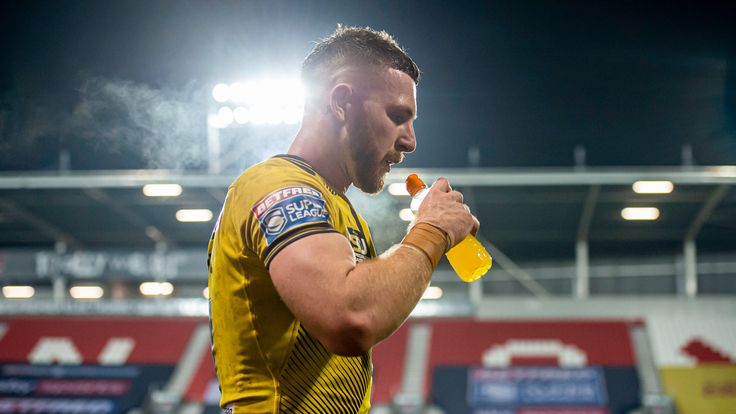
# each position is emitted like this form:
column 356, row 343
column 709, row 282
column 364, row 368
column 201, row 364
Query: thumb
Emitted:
column 442, row 185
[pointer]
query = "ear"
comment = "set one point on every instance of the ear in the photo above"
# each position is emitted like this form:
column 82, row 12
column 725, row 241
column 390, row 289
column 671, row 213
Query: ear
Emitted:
column 340, row 97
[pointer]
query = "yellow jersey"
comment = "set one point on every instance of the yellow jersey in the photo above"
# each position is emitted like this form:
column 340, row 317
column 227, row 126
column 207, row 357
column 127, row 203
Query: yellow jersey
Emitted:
column 266, row 361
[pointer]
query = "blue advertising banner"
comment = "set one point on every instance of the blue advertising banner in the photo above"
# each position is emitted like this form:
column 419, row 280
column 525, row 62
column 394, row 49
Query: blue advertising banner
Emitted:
column 536, row 386
column 79, row 389
column 450, row 391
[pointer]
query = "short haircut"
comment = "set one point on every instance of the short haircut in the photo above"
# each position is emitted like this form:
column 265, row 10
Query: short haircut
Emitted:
column 356, row 46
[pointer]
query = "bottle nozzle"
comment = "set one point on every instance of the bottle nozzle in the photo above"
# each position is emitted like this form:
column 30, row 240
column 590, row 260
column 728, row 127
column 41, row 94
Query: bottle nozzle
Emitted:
column 414, row 184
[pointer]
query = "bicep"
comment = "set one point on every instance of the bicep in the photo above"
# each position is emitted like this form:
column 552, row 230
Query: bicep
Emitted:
column 310, row 275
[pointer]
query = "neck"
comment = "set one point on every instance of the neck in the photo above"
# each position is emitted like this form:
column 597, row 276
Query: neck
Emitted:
column 318, row 143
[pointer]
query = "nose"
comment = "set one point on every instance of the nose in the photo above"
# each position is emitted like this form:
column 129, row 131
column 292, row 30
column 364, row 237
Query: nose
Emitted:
column 407, row 141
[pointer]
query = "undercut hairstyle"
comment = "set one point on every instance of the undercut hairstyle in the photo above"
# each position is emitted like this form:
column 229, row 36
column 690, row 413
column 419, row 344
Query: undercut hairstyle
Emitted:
column 356, row 46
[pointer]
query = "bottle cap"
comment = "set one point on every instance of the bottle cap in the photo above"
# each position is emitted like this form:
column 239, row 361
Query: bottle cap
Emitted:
column 414, row 184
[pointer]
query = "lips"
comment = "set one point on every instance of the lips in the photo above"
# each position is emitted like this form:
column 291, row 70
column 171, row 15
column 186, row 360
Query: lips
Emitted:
column 395, row 160
column 390, row 162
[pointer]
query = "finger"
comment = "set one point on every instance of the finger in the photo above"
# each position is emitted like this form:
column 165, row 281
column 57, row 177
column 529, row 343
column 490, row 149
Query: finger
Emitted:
column 476, row 226
column 466, row 208
column 442, row 185
column 457, row 196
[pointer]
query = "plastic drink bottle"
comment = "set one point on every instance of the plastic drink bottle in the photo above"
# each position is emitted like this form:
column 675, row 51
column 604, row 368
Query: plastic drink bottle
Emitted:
column 469, row 258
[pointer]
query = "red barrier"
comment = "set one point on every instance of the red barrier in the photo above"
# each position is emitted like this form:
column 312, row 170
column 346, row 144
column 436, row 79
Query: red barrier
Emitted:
column 96, row 340
column 455, row 342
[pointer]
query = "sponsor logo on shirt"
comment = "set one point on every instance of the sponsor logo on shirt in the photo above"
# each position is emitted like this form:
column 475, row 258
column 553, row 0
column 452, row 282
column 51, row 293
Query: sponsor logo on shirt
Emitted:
column 288, row 208
column 360, row 245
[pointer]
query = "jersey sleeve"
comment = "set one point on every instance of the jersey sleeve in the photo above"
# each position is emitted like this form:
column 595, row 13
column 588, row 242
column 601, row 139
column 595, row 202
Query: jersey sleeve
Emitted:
column 285, row 211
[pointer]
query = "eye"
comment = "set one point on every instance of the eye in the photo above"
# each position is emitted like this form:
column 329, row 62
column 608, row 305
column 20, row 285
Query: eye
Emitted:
column 398, row 117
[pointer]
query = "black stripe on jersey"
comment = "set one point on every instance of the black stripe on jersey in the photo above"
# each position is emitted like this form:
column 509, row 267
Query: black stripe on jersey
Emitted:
column 292, row 236
column 299, row 393
column 306, row 365
column 330, row 395
column 358, row 366
column 314, row 351
column 298, row 161
column 348, row 387
column 312, row 377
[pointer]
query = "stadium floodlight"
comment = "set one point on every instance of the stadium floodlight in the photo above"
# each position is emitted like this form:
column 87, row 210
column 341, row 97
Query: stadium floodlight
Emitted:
column 653, row 187
column 398, row 189
column 259, row 115
column 221, row 92
column 241, row 115
column 226, row 115
column 162, row 190
column 18, row 292
column 156, row 288
column 640, row 213
column 263, row 102
column 406, row 214
column 432, row 292
column 86, row 292
column 194, row 215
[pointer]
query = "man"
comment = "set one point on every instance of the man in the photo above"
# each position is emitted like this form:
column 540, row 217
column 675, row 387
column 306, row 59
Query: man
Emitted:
column 298, row 297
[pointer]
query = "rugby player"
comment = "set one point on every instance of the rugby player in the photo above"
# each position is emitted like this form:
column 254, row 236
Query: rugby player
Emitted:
column 298, row 296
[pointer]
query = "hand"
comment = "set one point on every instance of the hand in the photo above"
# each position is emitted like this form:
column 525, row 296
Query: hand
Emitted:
column 444, row 208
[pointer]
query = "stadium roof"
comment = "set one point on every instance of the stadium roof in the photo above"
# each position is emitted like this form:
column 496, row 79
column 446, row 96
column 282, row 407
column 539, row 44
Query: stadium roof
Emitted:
column 528, row 214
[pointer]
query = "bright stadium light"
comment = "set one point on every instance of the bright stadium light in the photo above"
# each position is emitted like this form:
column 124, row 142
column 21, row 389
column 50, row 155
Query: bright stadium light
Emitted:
column 239, row 92
column 406, row 214
column 398, row 189
column 226, row 115
column 221, row 92
column 18, row 292
column 264, row 102
column 258, row 114
column 241, row 115
column 194, row 215
column 293, row 114
column 86, row 292
column 274, row 115
column 640, row 213
column 432, row 292
column 156, row 288
column 653, row 187
column 162, row 190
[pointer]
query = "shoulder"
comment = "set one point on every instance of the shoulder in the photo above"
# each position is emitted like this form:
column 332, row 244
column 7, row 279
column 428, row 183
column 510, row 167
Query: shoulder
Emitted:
column 283, row 202
column 283, row 186
column 275, row 173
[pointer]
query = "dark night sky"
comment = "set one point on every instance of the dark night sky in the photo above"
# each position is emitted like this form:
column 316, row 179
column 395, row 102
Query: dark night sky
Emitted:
column 122, row 84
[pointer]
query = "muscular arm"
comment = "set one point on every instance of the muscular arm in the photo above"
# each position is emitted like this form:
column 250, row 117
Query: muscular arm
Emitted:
column 350, row 307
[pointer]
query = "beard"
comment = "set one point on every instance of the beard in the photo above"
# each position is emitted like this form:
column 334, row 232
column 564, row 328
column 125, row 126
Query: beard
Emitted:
column 370, row 165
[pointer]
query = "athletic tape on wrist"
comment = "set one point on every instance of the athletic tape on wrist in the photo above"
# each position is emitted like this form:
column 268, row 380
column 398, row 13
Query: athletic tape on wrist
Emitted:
column 431, row 240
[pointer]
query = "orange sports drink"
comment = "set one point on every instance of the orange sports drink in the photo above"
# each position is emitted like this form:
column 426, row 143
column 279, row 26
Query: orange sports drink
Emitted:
column 469, row 258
